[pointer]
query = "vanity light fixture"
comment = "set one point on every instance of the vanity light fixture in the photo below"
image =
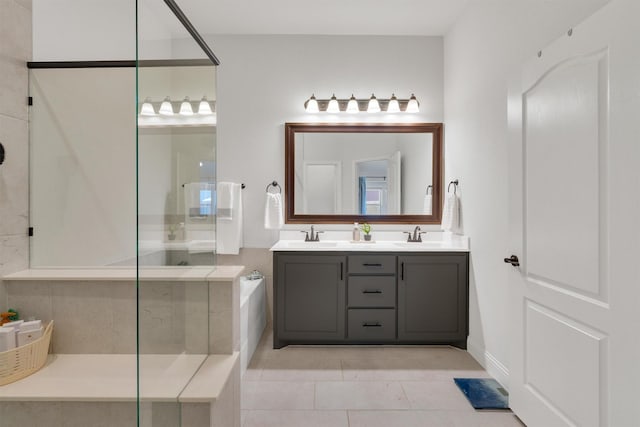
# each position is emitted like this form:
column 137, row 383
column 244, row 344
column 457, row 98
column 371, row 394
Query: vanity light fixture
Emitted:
column 312, row 105
column 413, row 106
column 374, row 105
column 393, row 106
column 147, row 108
column 185, row 108
column 333, row 106
column 204, row 108
column 166, row 109
column 352, row 105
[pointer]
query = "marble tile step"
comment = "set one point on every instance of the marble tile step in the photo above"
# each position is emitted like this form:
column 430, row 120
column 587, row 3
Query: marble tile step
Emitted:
column 112, row 378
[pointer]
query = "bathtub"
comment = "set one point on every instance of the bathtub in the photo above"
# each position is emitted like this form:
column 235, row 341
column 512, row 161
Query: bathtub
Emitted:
column 253, row 317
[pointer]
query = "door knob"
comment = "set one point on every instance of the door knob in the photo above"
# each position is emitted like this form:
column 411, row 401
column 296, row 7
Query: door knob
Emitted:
column 513, row 260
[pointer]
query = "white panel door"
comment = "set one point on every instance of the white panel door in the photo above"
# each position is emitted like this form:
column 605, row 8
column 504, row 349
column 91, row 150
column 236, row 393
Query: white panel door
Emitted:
column 322, row 183
column 574, row 212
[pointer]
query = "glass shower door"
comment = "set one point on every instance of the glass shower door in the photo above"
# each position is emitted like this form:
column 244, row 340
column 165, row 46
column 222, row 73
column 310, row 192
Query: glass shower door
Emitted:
column 175, row 199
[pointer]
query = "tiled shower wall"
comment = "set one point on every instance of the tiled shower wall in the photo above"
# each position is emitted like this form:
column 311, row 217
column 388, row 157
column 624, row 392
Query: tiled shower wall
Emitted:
column 260, row 259
column 15, row 51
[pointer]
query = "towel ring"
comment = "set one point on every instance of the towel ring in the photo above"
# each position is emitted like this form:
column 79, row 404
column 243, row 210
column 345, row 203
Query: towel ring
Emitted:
column 455, row 186
column 429, row 187
column 274, row 184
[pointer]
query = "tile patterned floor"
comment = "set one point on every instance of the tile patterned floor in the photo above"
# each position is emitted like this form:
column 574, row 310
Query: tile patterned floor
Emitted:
column 308, row 386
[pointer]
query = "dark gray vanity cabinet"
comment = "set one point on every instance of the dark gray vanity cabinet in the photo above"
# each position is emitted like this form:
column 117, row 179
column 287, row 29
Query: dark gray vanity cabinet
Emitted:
column 309, row 295
column 433, row 298
column 370, row 298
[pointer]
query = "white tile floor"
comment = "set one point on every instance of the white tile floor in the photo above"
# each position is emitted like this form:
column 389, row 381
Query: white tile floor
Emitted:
column 304, row 386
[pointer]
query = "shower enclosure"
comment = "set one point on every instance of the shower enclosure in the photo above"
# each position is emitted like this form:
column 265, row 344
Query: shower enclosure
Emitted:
column 122, row 209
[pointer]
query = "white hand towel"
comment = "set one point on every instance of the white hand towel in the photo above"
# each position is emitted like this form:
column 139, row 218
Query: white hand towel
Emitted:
column 427, row 205
column 451, row 213
column 229, row 229
column 226, row 200
column 273, row 211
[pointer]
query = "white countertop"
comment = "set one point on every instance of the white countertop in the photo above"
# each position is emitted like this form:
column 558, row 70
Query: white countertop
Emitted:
column 114, row 274
column 384, row 242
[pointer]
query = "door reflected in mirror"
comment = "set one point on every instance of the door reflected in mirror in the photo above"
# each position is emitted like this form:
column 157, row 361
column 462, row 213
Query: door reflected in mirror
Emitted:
column 373, row 172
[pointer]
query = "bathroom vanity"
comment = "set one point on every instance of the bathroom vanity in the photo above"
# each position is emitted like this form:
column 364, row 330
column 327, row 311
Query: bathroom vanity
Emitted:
column 388, row 292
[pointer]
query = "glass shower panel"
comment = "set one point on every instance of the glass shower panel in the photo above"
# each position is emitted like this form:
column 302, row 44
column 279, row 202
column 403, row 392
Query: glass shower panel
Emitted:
column 82, row 167
column 176, row 165
column 176, row 179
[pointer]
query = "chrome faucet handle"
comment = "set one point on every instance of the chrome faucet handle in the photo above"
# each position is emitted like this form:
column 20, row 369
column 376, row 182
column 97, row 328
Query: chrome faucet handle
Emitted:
column 408, row 233
column 306, row 237
column 317, row 237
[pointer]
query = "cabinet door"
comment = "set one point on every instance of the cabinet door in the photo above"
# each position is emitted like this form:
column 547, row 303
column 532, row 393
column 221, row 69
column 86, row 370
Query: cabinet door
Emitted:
column 310, row 298
column 432, row 298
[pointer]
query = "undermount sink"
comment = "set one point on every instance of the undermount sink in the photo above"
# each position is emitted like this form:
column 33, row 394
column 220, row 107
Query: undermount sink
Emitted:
column 303, row 244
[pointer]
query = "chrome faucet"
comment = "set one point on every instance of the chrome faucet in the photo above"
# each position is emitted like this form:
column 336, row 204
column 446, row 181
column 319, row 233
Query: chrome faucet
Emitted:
column 416, row 237
column 313, row 237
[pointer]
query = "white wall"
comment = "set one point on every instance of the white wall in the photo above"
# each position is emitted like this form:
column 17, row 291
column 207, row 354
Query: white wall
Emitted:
column 68, row 30
column 93, row 30
column 482, row 51
column 264, row 80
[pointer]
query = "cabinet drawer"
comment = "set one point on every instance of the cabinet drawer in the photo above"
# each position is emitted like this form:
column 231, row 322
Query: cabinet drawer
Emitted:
column 372, row 291
column 375, row 324
column 372, row 264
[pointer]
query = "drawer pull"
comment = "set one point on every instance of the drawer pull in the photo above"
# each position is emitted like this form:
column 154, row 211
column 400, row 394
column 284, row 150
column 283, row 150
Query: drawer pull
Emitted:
column 367, row 264
column 377, row 291
column 371, row 325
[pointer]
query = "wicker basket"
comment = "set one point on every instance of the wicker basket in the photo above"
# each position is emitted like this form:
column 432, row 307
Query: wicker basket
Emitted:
column 23, row 361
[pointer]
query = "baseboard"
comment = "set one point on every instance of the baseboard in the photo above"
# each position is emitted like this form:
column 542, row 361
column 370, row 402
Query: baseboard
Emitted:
column 493, row 366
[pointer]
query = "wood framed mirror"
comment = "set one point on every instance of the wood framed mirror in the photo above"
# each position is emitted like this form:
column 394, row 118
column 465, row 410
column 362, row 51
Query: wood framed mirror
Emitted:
column 363, row 172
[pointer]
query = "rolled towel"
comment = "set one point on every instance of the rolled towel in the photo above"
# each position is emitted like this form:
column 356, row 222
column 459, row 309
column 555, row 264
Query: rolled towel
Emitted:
column 427, row 205
column 7, row 339
column 273, row 211
column 451, row 213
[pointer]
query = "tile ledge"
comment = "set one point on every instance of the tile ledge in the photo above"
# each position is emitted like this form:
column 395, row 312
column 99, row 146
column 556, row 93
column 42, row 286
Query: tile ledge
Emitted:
column 209, row 381
column 114, row 274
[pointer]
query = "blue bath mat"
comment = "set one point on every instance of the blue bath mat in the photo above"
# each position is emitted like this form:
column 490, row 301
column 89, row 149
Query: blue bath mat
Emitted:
column 483, row 393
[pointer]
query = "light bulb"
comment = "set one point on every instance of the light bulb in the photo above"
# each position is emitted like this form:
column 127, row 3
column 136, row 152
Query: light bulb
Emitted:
column 204, row 107
column 393, row 106
column 185, row 108
column 352, row 105
column 333, row 106
column 147, row 108
column 413, row 106
column 311, row 106
column 165, row 108
column 374, row 106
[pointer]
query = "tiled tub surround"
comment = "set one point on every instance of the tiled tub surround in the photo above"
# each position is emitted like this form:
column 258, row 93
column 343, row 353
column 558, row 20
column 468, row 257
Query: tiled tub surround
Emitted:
column 260, row 259
column 95, row 309
column 189, row 340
